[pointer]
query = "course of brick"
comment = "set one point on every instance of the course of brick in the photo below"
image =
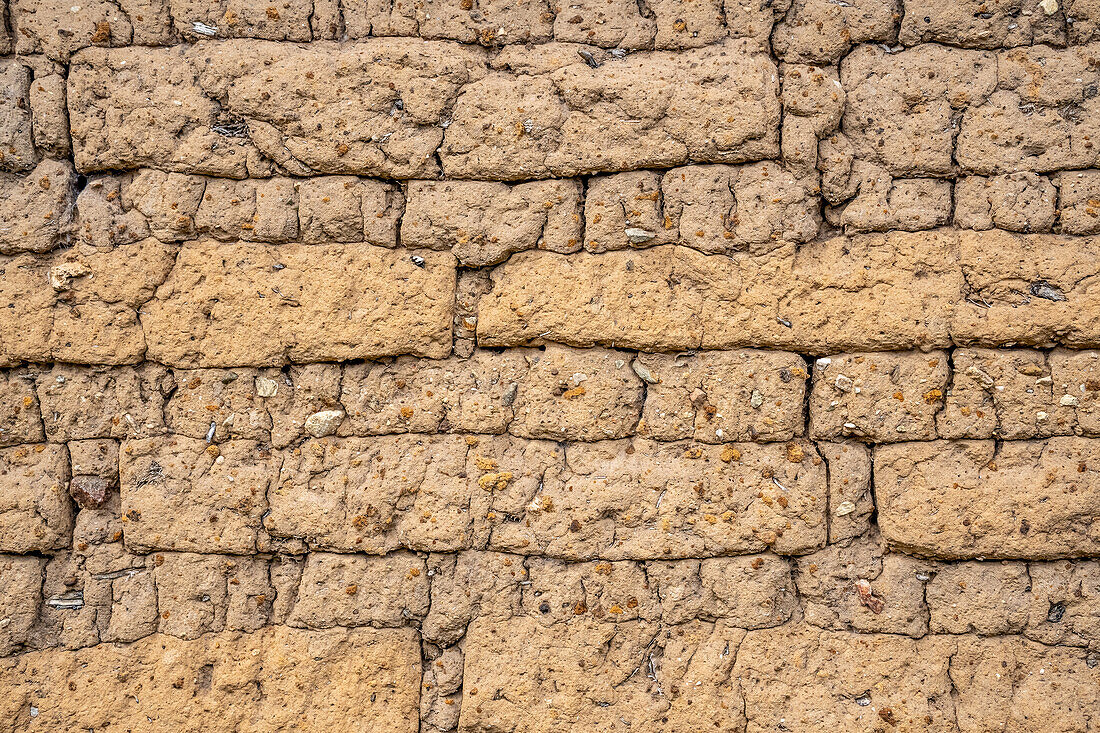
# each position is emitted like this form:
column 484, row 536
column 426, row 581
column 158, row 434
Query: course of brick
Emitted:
column 504, row 366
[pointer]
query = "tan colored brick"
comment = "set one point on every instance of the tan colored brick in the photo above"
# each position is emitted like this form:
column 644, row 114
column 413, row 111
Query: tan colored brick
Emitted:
column 975, row 499
column 353, row 590
column 816, row 31
column 376, row 495
column 716, row 396
column 182, row 494
column 139, row 123
column 844, row 681
column 1078, row 201
column 1027, row 106
column 850, row 502
column 1019, row 202
column 985, row 597
column 829, row 583
column 20, row 599
column 879, row 397
column 900, row 105
column 20, row 415
column 841, row 292
column 1012, row 684
column 81, row 304
column 714, row 104
column 749, row 592
column 1004, row 394
column 345, row 209
column 974, row 24
column 37, row 208
column 303, row 303
column 639, row 499
column 489, row 23
column 418, row 396
column 574, row 394
column 284, row 21
column 80, row 403
column 482, row 223
column 583, row 672
column 36, row 513
column 358, row 677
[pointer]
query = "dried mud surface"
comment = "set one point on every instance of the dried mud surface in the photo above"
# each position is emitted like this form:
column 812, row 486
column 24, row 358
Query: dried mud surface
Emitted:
column 508, row 366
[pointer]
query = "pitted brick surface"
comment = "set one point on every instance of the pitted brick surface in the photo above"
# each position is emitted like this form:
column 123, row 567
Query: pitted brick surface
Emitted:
column 507, row 366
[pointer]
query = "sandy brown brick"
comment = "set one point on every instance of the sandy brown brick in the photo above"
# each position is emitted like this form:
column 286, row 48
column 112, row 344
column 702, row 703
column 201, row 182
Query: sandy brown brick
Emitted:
column 304, row 400
column 1063, row 604
column 346, row 209
column 36, row 513
column 469, row 584
column 282, row 21
column 817, row 31
column 1021, row 126
column 256, row 211
column 57, row 31
column 1018, row 202
column 16, row 132
column 885, row 203
column 583, row 672
column 609, row 592
column 180, row 493
column 639, row 499
column 491, row 23
column 20, row 414
column 356, row 590
column 830, row 295
column 235, row 305
column 410, row 395
column 1078, row 201
column 850, row 502
column 36, row 209
column 218, row 405
column 1034, row 287
column 50, row 115
column 80, row 403
column 81, row 304
column 375, row 495
column 1011, row 684
column 20, row 599
column 749, row 592
column 976, row 24
column 199, row 594
column 977, row 499
column 482, row 223
column 578, row 394
column 714, row 104
column 718, row 396
column 843, row 680
column 1003, row 394
column 989, row 598
column 856, row 587
column 1075, row 386
column 344, row 668
column 759, row 207
column 900, row 105
column 396, row 130
column 616, row 24
column 168, row 203
column 624, row 210
column 813, row 101
column 878, row 397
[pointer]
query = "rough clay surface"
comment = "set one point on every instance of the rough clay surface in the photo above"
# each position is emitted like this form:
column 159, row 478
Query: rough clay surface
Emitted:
column 516, row 366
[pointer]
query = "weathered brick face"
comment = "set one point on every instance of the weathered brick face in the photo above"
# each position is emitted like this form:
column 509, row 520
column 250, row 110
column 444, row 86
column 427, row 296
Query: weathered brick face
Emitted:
column 512, row 366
